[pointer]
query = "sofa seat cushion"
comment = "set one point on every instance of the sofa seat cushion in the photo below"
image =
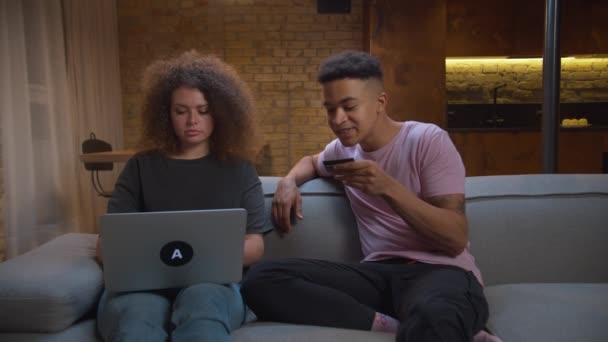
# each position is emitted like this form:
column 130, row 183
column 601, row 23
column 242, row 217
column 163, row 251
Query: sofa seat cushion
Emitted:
column 50, row 287
column 549, row 312
column 279, row 332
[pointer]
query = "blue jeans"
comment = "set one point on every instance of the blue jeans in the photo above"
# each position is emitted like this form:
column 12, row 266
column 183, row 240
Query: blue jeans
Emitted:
column 203, row 312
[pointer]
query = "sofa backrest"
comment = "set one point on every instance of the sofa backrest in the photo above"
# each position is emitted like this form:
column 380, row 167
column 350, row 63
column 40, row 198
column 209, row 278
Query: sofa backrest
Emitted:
column 539, row 228
column 328, row 230
column 523, row 228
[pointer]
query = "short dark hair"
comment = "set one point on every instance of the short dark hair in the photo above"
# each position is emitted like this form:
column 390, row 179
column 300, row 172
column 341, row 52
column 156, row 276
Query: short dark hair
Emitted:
column 350, row 64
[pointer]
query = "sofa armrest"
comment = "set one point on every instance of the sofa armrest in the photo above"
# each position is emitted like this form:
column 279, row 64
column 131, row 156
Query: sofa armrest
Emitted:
column 50, row 287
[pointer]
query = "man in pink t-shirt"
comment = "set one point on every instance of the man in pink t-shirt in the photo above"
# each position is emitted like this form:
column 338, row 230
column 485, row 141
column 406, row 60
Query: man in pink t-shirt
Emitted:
column 406, row 188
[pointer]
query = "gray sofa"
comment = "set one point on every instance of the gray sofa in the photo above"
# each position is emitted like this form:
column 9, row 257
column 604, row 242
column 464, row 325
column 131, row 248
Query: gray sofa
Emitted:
column 541, row 242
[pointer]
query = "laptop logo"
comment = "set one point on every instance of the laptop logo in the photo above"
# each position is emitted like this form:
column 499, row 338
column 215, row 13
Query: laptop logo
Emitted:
column 176, row 253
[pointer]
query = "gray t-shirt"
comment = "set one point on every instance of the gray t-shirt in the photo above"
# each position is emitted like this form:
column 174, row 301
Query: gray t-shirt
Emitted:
column 152, row 182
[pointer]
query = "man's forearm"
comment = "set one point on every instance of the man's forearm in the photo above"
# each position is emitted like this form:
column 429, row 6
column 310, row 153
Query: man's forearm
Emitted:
column 446, row 227
column 303, row 171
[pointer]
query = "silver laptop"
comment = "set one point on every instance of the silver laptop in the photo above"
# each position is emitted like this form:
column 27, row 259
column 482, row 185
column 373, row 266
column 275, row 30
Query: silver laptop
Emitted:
column 172, row 249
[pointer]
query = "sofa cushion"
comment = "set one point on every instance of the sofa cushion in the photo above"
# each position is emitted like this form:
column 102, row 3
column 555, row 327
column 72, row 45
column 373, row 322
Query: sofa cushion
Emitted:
column 549, row 312
column 51, row 287
column 279, row 332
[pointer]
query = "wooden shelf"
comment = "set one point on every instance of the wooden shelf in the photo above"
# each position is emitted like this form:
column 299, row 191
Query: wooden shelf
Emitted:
column 119, row 156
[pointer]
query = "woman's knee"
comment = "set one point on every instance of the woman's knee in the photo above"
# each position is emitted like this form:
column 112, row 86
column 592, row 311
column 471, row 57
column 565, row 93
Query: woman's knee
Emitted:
column 143, row 316
column 209, row 302
column 205, row 292
column 142, row 305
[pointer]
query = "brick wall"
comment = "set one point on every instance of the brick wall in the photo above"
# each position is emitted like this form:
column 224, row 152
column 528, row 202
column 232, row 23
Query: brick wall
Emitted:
column 582, row 80
column 275, row 44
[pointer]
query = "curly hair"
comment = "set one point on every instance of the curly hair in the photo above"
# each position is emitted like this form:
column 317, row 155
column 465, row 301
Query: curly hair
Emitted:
column 350, row 64
column 230, row 102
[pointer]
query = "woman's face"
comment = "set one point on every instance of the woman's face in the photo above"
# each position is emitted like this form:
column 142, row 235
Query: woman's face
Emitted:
column 191, row 119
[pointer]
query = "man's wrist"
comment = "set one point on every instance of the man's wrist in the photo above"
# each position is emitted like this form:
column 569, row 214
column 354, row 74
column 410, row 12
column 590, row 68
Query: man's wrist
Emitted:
column 288, row 179
column 389, row 188
column 393, row 191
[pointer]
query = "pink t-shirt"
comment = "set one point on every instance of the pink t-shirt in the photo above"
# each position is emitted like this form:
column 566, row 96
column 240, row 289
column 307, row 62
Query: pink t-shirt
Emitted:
column 422, row 158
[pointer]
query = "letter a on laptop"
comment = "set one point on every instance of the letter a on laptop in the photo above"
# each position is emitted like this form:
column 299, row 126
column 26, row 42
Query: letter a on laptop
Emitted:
column 172, row 249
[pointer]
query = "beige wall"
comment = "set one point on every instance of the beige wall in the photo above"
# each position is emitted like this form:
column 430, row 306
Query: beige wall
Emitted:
column 275, row 44
column 1, row 203
column 582, row 80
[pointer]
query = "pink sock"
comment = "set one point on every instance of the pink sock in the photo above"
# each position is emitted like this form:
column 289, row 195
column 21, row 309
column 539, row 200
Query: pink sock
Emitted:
column 385, row 323
column 484, row 336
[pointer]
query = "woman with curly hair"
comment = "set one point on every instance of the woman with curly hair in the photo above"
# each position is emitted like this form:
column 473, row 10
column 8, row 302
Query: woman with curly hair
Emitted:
column 198, row 145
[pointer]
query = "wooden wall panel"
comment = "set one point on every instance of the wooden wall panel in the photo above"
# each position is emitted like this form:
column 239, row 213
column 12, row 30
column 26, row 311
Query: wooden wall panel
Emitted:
column 409, row 38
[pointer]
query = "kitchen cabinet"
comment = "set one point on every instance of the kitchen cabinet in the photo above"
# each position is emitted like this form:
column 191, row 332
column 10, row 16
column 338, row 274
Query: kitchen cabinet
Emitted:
column 499, row 153
column 494, row 28
column 582, row 151
column 584, row 27
column 520, row 152
column 516, row 28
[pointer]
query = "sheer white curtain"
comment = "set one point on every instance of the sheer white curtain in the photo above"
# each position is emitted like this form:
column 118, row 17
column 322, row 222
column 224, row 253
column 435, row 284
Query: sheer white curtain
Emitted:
column 44, row 117
column 40, row 199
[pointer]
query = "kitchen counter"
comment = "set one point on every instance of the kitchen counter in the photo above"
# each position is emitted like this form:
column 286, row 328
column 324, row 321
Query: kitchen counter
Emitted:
column 520, row 117
column 523, row 129
column 492, row 129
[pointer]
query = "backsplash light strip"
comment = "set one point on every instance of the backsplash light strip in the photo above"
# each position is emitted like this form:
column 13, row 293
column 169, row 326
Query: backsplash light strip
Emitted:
column 472, row 80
